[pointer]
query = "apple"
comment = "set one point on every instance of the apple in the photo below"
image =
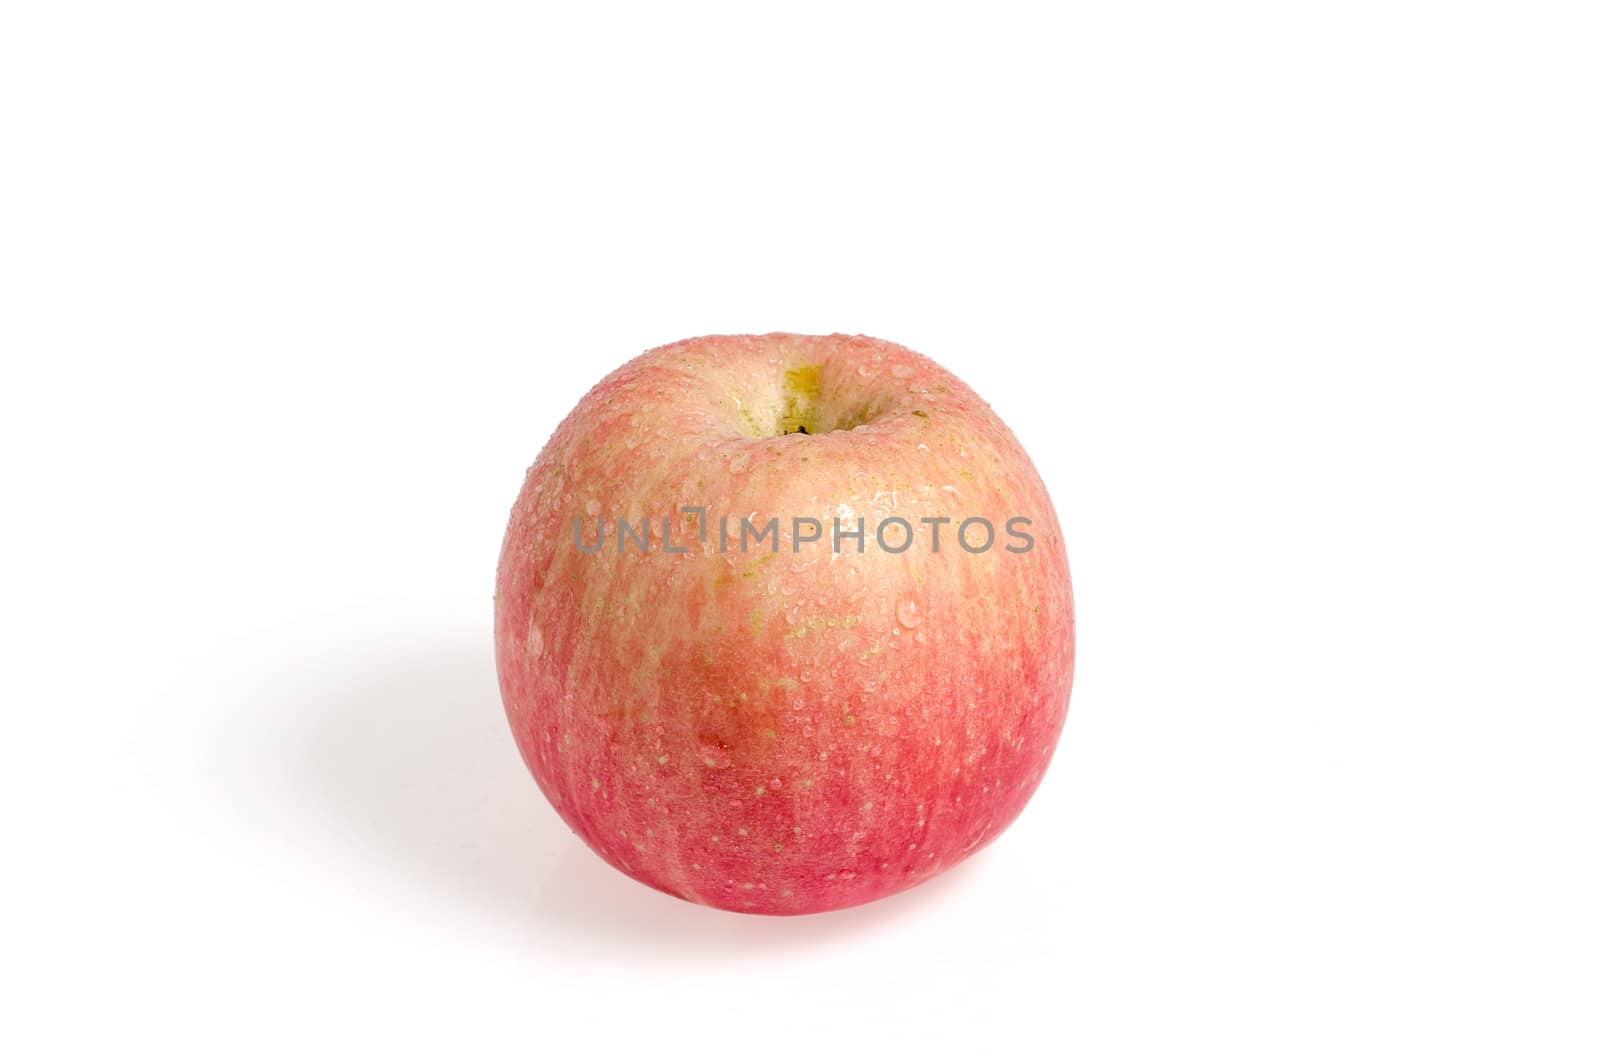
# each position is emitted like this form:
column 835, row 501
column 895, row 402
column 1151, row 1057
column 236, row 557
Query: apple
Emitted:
column 784, row 623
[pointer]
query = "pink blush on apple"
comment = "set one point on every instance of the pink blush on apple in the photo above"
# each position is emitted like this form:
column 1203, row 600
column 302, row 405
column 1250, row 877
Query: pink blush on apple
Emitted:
column 783, row 622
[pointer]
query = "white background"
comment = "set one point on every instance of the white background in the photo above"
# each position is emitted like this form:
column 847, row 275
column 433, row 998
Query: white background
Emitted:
column 1295, row 306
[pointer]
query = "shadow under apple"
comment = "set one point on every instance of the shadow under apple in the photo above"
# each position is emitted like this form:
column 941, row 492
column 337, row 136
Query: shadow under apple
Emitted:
column 402, row 751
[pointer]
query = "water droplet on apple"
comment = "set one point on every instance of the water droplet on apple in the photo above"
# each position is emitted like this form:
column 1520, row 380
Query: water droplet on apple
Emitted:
column 715, row 755
column 901, row 371
column 535, row 642
column 593, row 507
column 908, row 613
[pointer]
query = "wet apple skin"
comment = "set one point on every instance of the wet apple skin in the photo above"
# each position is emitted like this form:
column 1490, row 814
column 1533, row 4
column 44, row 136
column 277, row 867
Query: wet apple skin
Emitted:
column 794, row 731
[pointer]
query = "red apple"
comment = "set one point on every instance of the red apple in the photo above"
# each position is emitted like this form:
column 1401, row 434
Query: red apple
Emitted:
column 784, row 718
